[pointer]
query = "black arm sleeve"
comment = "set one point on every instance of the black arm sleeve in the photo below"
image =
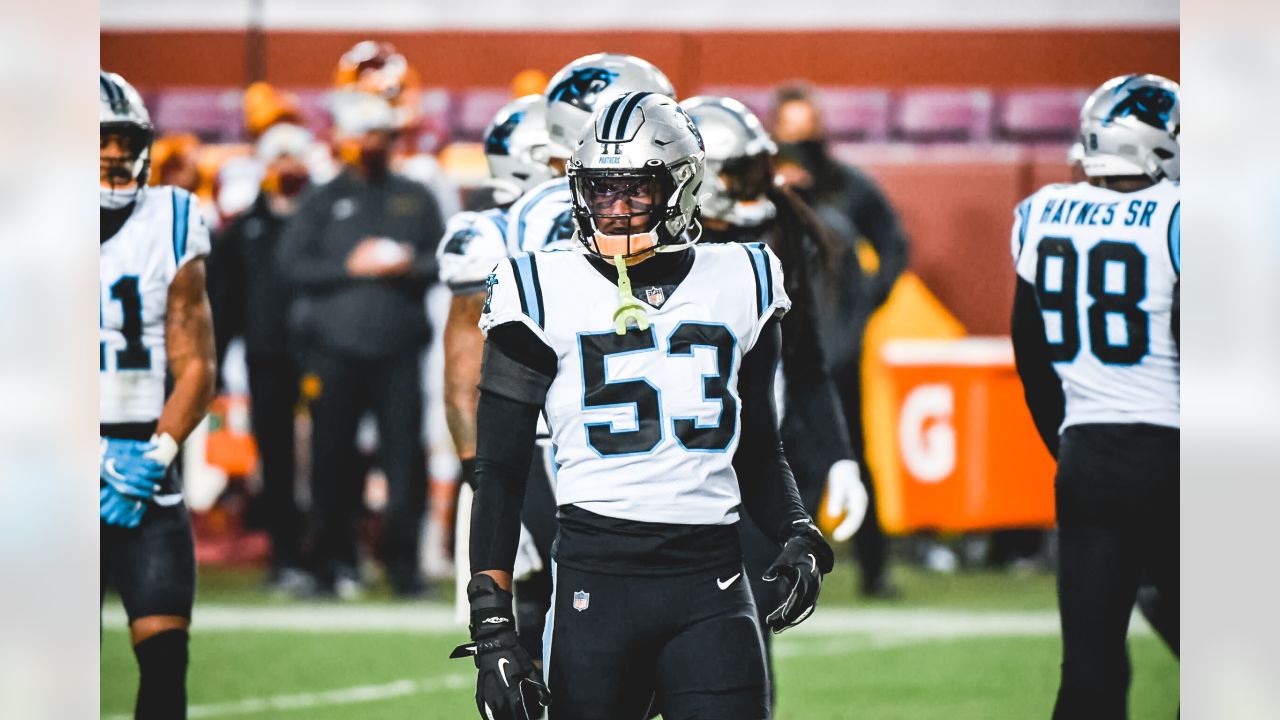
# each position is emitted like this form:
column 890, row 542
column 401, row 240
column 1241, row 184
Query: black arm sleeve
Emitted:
column 514, row 376
column 1040, row 382
column 505, row 431
column 768, row 488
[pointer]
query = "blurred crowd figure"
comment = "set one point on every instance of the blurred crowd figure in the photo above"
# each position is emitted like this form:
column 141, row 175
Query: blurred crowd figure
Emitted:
column 251, row 297
column 851, row 208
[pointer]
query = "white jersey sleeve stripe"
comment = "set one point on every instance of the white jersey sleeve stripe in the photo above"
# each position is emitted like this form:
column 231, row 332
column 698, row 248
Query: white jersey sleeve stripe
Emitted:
column 526, row 275
column 517, row 240
column 764, row 279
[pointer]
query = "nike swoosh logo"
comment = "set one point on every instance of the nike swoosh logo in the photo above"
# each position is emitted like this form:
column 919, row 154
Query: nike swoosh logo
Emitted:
column 502, row 668
column 724, row 584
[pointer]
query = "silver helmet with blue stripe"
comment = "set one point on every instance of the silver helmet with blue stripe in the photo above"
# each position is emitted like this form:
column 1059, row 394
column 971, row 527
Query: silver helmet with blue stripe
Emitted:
column 1130, row 126
column 515, row 145
column 636, row 176
column 739, row 160
column 589, row 82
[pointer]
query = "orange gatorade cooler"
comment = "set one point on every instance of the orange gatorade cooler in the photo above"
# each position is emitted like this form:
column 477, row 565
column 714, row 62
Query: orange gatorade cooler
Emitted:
column 967, row 453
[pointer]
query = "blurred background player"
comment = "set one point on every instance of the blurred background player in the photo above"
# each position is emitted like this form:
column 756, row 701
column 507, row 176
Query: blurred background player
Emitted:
column 359, row 254
column 251, row 299
column 154, row 323
column 1095, row 332
column 542, row 218
column 648, row 568
column 850, row 207
column 745, row 205
column 515, row 147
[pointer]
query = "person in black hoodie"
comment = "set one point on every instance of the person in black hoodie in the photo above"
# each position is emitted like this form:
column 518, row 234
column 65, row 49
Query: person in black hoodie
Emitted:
column 250, row 299
column 850, row 207
column 360, row 254
column 745, row 205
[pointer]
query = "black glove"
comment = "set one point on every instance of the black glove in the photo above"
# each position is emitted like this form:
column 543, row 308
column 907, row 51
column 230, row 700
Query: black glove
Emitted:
column 509, row 687
column 804, row 559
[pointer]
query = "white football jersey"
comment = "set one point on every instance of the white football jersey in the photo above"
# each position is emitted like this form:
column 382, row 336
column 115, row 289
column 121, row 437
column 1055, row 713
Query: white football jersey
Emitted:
column 542, row 219
column 473, row 244
column 644, row 425
column 164, row 232
column 1103, row 264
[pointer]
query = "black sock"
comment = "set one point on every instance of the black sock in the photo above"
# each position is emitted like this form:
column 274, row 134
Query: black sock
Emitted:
column 162, row 667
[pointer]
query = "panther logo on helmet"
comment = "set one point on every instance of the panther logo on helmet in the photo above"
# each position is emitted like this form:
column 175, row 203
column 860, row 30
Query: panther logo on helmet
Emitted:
column 498, row 141
column 582, row 86
column 1151, row 105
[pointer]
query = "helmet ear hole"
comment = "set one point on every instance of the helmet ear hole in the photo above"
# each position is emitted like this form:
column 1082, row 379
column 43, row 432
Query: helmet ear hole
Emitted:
column 1162, row 153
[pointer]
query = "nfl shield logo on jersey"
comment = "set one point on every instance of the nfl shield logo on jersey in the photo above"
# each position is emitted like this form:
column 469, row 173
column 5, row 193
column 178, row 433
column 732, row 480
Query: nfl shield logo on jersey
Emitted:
column 654, row 296
column 581, row 600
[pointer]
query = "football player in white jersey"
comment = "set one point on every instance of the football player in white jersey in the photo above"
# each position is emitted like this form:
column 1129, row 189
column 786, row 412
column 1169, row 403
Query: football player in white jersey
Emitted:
column 653, row 362
column 154, row 320
column 540, row 219
column 1096, row 339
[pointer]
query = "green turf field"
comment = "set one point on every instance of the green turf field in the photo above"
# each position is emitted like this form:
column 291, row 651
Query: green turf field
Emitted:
column 980, row 646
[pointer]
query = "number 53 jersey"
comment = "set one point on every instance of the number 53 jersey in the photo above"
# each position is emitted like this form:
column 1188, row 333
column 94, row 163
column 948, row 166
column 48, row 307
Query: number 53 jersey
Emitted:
column 1104, row 265
column 644, row 425
column 136, row 265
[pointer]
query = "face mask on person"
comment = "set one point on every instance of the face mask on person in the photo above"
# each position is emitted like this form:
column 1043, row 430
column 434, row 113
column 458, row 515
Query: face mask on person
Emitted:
column 808, row 154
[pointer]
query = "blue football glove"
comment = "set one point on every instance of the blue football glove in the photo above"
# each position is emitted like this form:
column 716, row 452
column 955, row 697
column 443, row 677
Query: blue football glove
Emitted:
column 131, row 467
column 115, row 509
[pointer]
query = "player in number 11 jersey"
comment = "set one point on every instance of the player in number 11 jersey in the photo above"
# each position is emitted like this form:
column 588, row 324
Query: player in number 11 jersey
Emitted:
column 1095, row 332
column 154, row 324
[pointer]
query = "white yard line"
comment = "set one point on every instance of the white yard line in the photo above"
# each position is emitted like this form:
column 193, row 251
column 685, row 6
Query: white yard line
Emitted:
column 327, row 698
column 438, row 618
column 831, row 631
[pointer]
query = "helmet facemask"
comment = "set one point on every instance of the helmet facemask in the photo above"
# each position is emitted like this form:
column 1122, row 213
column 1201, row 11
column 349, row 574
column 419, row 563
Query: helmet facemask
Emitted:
column 120, row 176
column 625, row 210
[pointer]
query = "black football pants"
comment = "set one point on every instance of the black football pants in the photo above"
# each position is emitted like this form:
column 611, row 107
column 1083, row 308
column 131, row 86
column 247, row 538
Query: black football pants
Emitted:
column 1117, row 504
column 870, row 545
column 619, row 642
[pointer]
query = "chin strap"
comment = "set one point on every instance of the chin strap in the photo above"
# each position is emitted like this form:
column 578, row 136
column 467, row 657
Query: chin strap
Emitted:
column 629, row 310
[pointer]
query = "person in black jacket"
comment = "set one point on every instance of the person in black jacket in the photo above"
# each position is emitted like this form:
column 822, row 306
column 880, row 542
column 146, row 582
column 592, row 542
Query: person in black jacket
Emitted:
column 250, row 299
column 850, row 206
column 745, row 205
column 360, row 254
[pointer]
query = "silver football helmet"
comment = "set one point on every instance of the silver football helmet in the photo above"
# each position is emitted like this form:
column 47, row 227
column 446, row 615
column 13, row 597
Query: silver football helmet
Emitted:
column 121, row 111
column 589, row 82
column 739, row 160
column 635, row 177
column 516, row 147
column 1130, row 126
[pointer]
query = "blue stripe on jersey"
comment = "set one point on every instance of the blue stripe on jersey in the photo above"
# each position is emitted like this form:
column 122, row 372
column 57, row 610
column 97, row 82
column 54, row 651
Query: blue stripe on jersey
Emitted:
column 1024, row 216
column 524, row 212
column 764, row 282
column 530, row 288
column 499, row 218
column 181, row 208
column 1175, row 238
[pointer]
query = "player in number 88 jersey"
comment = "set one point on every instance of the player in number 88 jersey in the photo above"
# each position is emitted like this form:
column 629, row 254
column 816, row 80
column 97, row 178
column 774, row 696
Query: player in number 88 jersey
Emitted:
column 1095, row 335
column 653, row 360
column 154, row 320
